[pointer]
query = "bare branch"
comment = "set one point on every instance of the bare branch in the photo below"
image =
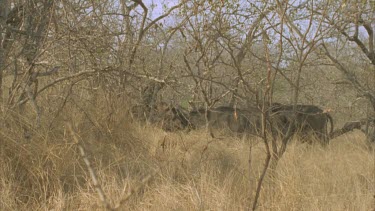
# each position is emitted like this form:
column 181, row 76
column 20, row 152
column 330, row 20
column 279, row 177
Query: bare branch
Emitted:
column 143, row 29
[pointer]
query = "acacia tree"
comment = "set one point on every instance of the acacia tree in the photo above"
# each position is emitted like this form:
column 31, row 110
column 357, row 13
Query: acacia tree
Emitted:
column 297, row 31
column 45, row 44
column 351, row 27
column 136, row 26
column 23, row 44
column 220, row 37
column 223, row 41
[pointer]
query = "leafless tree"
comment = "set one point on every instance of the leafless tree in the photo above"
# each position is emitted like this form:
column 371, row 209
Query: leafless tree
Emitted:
column 351, row 27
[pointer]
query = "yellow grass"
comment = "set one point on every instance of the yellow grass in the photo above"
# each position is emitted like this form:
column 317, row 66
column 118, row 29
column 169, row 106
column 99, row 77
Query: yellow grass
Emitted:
column 191, row 171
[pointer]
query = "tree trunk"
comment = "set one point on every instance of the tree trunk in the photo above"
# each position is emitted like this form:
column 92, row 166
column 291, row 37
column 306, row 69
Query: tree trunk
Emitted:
column 4, row 11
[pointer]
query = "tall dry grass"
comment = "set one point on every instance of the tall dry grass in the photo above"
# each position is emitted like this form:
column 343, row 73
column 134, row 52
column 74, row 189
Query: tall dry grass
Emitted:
column 190, row 171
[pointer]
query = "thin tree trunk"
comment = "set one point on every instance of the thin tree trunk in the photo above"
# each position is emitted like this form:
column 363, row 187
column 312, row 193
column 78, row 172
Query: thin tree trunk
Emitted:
column 4, row 11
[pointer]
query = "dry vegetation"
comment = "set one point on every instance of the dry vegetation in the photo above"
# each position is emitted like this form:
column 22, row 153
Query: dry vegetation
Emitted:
column 70, row 72
column 189, row 171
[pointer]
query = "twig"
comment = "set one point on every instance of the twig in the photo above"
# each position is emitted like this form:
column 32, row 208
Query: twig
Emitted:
column 135, row 190
column 268, row 94
column 49, row 72
column 92, row 173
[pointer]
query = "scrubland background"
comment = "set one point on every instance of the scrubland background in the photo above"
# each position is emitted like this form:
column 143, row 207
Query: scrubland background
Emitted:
column 85, row 64
column 189, row 171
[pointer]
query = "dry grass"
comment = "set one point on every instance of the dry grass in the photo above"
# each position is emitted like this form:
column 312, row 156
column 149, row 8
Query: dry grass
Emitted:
column 191, row 171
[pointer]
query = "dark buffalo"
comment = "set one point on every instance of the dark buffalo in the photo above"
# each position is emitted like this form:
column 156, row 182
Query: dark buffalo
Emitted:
column 175, row 118
column 223, row 118
column 367, row 126
column 149, row 113
column 305, row 120
column 168, row 117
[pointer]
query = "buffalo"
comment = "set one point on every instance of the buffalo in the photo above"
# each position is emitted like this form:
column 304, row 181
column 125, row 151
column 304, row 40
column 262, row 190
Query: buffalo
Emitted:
column 175, row 118
column 303, row 121
column 234, row 120
column 168, row 117
column 367, row 126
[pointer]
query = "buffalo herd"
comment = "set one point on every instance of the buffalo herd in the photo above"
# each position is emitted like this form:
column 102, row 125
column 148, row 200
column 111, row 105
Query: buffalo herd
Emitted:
column 280, row 120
